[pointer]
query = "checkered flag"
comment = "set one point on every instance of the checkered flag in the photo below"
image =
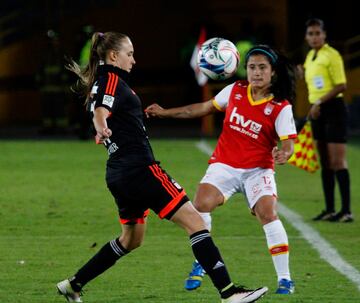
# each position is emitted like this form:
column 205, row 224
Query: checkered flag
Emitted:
column 304, row 155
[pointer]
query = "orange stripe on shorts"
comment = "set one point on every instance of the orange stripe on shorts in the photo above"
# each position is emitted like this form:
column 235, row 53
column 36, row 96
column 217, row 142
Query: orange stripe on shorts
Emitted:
column 171, row 205
column 135, row 220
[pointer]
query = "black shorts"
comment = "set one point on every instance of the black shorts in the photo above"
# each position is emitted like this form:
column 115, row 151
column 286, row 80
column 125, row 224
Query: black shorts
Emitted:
column 138, row 189
column 331, row 126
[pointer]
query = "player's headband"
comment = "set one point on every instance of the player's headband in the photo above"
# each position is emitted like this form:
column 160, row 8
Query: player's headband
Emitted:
column 273, row 57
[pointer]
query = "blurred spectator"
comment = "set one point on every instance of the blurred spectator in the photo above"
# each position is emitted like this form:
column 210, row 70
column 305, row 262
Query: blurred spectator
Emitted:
column 52, row 83
column 79, row 115
column 84, row 56
column 246, row 40
column 243, row 46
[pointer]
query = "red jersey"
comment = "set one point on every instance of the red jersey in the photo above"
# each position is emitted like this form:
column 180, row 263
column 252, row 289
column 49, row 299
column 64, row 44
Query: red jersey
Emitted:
column 251, row 129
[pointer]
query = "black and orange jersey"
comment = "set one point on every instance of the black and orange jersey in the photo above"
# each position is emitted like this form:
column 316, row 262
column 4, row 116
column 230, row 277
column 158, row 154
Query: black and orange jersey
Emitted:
column 128, row 144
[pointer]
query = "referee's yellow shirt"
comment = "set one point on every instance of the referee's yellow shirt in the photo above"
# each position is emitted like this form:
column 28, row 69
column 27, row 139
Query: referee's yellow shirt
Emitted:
column 324, row 72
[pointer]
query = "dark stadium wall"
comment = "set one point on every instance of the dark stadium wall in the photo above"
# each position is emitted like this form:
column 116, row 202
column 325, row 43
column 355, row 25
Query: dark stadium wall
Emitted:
column 163, row 37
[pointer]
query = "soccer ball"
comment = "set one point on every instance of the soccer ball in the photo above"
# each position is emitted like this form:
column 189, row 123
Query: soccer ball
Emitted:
column 218, row 58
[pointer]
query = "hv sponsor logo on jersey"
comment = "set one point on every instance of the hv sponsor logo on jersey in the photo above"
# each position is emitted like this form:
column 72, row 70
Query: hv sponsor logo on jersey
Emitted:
column 108, row 100
column 244, row 126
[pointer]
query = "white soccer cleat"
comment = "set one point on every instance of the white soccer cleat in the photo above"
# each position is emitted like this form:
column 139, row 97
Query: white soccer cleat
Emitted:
column 244, row 295
column 64, row 288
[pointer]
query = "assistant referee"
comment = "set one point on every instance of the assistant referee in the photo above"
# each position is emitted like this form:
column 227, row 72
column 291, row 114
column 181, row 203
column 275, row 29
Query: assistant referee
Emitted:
column 326, row 82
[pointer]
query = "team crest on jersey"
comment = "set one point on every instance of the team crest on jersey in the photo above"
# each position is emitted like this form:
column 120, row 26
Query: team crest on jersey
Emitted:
column 108, row 100
column 268, row 109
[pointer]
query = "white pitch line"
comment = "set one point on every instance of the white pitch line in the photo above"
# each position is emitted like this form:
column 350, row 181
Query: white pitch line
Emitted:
column 324, row 248
column 326, row 251
column 204, row 147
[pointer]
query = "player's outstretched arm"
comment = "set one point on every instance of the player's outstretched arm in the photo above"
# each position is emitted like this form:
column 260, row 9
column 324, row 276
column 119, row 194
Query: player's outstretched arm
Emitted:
column 194, row 110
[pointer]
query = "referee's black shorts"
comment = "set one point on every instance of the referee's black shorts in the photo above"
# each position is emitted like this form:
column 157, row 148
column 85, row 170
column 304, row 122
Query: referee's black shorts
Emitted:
column 331, row 126
column 138, row 189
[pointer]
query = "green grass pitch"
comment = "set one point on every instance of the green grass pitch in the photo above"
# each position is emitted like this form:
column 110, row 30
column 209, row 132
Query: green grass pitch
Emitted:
column 55, row 213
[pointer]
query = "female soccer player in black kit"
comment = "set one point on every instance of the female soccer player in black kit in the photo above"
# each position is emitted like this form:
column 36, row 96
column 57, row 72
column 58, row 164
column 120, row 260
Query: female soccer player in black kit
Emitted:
column 133, row 176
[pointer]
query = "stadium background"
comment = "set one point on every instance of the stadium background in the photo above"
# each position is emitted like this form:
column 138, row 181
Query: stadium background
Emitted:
column 164, row 34
column 55, row 209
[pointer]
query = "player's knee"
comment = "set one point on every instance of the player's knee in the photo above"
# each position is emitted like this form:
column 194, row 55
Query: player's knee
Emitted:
column 266, row 217
column 338, row 164
column 207, row 203
column 200, row 205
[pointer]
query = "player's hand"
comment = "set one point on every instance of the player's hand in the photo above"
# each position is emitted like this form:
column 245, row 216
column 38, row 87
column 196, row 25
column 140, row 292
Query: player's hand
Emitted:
column 280, row 156
column 103, row 135
column 154, row 110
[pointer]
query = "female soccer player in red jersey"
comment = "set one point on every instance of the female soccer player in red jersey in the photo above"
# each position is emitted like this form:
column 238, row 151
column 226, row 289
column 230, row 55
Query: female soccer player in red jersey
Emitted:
column 133, row 176
column 257, row 115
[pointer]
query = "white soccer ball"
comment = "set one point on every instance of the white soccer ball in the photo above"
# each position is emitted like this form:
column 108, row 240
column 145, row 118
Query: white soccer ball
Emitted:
column 218, row 58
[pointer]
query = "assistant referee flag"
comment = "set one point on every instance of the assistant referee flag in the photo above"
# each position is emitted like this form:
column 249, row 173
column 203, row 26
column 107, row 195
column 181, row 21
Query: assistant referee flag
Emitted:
column 304, row 155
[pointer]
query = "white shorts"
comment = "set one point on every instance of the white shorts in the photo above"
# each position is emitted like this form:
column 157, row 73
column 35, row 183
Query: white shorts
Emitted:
column 253, row 183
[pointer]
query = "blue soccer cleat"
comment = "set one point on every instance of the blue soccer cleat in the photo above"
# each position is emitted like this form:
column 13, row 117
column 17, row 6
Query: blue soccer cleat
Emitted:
column 195, row 277
column 286, row 287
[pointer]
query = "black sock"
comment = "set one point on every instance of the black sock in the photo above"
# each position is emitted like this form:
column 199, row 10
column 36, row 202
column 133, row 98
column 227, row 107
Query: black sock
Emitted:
column 328, row 183
column 104, row 259
column 210, row 259
column 343, row 179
